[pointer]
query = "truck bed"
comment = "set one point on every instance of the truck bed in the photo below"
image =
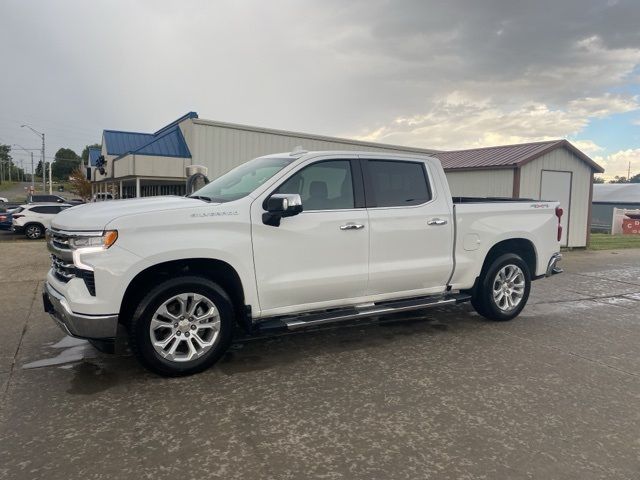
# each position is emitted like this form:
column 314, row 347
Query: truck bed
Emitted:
column 483, row 222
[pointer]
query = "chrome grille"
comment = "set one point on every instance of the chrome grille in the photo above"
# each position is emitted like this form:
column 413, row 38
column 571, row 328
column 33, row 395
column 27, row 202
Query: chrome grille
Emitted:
column 58, row 243
column 59, row 240
column 64, row 272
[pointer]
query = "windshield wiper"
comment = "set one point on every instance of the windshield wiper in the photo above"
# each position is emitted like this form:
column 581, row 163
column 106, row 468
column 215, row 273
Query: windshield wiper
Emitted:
column 201, row 197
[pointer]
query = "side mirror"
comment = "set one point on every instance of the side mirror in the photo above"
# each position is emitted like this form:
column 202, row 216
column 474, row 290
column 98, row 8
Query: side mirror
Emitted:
column 281, row 205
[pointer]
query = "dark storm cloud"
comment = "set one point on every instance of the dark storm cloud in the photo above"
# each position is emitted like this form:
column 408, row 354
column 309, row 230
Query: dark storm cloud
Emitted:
column 432, row 73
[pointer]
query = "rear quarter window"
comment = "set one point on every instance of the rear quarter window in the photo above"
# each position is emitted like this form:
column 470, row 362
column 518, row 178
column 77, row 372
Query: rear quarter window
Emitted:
column 49, row 209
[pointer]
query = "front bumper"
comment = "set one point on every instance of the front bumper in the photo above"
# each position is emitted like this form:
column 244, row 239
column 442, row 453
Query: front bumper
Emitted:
column 552, row 267
column 77, row 324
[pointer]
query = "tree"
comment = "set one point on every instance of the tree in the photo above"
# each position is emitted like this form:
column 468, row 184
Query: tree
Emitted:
column 66, row 161
column 85, row 152
column 8, row 170
column 635, row 178
column 598, row 180
column 39, row 169
column 79, row 183
column 618, row 179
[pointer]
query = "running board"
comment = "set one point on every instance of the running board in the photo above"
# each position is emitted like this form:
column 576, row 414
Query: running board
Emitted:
column 369, row 310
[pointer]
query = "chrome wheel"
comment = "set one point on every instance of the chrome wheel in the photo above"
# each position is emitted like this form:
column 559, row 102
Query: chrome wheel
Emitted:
column 33, row 232
column 185, row 327
column 508, row 287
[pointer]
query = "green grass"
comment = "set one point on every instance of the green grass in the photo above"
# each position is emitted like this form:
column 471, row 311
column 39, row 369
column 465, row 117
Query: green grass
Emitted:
column 6, row 185
column 603, row 241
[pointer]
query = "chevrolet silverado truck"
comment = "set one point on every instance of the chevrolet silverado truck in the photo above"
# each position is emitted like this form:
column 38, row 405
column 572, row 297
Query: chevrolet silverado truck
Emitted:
column 286, row 242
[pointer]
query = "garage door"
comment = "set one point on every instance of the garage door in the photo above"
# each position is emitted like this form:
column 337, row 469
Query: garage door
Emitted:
column 556, row 186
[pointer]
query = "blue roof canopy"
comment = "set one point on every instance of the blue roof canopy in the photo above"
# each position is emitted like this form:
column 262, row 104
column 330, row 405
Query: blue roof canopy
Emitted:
column 166, row 142
column 122, row 142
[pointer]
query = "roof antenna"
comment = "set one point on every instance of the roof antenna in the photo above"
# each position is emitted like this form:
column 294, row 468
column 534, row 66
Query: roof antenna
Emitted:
column 299, row 150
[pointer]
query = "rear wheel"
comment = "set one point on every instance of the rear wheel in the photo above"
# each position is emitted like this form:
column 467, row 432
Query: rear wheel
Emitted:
column 183, row 326
column 503, row 289
column 33, row 231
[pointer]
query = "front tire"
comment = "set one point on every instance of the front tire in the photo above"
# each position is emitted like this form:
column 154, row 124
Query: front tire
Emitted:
column 182, row 326
column 503, row 289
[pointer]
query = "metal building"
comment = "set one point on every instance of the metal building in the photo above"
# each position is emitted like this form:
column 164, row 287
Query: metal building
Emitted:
column 606, row 197
column 143, row 164
column 553, row 170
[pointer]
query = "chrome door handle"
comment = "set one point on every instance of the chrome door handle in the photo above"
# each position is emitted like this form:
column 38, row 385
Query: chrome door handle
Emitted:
column 351, row 226
column 437, row 221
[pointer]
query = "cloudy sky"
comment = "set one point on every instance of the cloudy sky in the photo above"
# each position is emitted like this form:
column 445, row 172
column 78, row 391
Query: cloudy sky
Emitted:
column 437, row 74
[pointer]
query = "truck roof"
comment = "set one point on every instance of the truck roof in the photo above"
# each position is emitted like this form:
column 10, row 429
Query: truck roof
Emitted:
column 316, row 153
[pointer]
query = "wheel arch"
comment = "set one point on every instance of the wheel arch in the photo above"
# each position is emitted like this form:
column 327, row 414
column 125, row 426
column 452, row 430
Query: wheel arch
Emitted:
column 520, row 246
column 217, row 271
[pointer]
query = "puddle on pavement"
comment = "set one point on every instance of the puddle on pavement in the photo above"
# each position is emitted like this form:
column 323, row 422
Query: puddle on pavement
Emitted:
column 90, row 378
column 70, row 350
column 77, row 355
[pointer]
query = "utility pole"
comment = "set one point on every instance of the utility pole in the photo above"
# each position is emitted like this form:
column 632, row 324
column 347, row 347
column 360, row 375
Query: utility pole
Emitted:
column 44, row 165
column 628, row 172
column 50, row 165
column 33, row 171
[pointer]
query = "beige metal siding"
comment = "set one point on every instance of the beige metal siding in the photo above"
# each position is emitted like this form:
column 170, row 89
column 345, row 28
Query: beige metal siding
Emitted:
column 562, row 160
column 221, row 148
column 151, row 166
column 481, row 183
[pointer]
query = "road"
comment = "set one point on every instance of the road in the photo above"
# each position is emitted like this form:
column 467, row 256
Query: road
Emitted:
column 554, row 394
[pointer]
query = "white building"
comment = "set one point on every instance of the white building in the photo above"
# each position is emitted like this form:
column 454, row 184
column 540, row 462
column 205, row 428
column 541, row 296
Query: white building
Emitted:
column 144, row 164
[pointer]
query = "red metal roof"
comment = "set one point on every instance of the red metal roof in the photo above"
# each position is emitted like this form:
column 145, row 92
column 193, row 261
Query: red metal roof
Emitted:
column 507, row 156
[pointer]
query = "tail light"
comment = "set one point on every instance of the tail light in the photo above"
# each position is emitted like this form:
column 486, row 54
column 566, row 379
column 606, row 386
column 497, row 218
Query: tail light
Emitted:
column 559, row 213
column 18, row 216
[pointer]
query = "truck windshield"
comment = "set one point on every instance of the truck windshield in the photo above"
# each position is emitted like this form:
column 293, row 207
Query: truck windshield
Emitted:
column 242, row 180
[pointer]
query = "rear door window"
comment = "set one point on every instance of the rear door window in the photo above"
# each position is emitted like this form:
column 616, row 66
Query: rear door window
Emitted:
column 393, row 183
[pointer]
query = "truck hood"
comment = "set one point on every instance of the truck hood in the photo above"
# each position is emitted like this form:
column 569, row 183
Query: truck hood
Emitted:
column 95, row 216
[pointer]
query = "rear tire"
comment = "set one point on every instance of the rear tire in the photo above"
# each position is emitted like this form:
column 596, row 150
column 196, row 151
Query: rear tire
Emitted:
column 503, row 288
column 182, row 326
column 33, row 231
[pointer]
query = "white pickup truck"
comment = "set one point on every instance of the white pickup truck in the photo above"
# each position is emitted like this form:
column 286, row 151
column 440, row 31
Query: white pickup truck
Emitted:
column 285, row 242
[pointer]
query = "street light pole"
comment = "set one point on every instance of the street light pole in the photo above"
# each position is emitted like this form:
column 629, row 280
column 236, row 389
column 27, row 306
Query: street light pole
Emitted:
column 44, row 170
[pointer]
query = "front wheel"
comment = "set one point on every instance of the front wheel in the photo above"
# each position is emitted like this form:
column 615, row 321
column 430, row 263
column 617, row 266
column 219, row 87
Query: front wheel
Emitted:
column 183, row 326
column 503, row 289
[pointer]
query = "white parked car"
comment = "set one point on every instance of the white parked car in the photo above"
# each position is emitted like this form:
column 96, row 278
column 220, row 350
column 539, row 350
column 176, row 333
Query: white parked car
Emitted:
column 34, row 219
column 4, row 200
column 290, row 241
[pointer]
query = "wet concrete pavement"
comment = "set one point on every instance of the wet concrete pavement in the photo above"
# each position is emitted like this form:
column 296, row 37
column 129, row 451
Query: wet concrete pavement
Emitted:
column 552, row 394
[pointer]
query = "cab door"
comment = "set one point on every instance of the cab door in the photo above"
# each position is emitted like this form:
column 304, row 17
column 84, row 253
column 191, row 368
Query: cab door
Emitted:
column 411, row 229
column 317, row 258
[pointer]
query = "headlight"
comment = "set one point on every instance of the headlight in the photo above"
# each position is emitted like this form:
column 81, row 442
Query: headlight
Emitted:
column 104, row 241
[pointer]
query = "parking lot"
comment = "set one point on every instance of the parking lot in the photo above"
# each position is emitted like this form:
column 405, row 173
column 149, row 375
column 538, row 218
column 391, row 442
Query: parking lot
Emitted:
column 552, row 394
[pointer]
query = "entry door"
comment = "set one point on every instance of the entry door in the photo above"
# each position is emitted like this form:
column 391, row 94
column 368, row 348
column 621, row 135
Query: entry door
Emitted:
column 318, row 258
column 556, row 186
column 411, row 230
